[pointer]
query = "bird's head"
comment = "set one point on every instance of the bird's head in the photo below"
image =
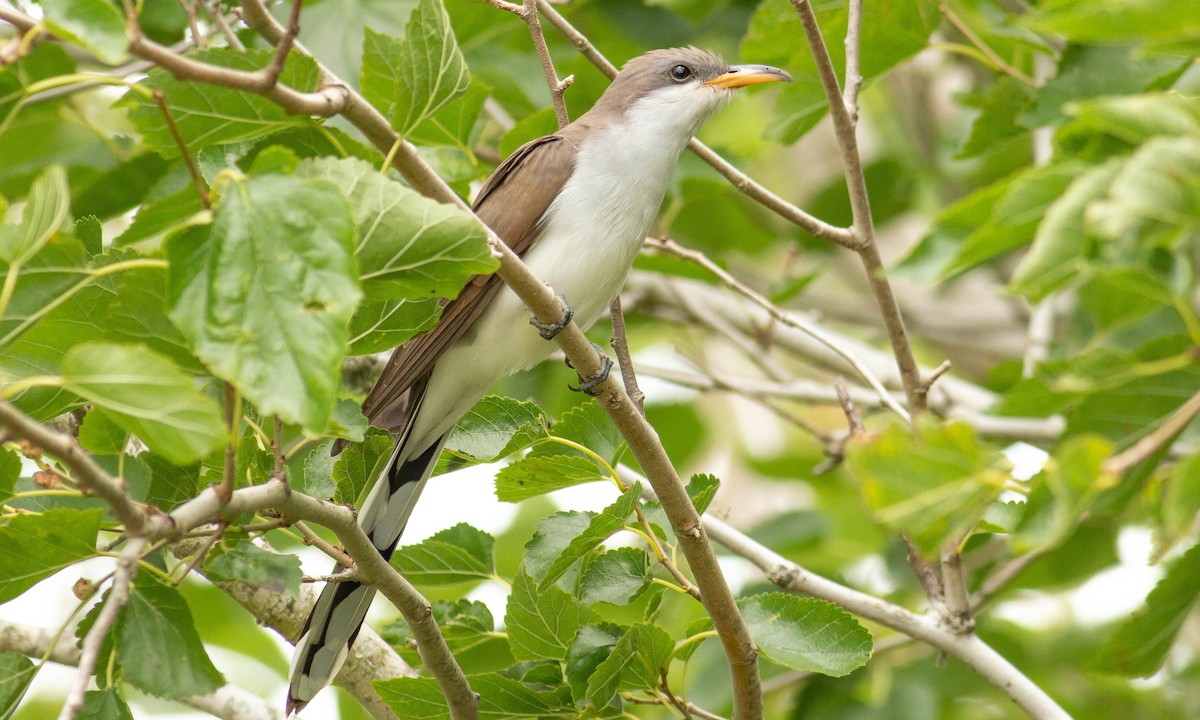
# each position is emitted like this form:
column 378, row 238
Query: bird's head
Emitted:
column 681, row 84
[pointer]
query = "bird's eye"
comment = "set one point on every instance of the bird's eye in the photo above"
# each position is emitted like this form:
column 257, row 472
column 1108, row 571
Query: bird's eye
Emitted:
column 679, row 73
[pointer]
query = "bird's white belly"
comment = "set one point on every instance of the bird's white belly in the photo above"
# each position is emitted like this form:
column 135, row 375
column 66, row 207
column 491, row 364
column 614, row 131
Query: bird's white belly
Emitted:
column 585, row 253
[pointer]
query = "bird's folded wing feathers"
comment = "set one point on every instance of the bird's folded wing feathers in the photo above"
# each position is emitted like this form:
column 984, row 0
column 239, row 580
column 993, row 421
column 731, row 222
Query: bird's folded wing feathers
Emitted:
column 513, row 211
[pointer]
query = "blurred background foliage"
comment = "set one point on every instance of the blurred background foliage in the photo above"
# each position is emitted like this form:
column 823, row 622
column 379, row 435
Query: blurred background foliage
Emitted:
column 1034, row 173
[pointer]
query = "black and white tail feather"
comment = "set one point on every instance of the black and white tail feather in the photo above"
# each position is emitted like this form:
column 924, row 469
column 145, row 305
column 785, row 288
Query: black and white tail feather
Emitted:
column 340, row 611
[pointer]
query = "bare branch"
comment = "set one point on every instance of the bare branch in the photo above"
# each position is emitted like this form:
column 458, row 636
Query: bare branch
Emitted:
column 620, row 345
column 955, row 594
column 1158, row 438
column 860, row 206
column 852, row 416
column 854, row 77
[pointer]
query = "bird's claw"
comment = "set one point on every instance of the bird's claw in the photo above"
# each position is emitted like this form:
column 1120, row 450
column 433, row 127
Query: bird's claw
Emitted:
column 549, row 330
column 587, row 385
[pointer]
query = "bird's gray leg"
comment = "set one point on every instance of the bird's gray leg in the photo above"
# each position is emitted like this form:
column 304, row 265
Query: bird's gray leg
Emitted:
column 587, row 385
column 549, row 330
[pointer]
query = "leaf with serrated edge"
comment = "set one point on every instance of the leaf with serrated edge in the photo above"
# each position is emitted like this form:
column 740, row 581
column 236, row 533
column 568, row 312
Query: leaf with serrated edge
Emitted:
column 359, row 466
column 458, row 554
column 249, row 563
column 34, row 547
column 496, row 427
column 147, row 395
column 542, row 621
column 636, row 663
column 267, row 299
column 598, row 530
column 500, row 698
column 551, row 536
column 408, row 245
column 806, row 634
column 431, row 70
column 540, row 474
column 617, row 576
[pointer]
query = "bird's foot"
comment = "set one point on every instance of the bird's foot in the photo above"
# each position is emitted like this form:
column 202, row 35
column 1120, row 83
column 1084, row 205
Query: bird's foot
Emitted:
column 549, row 330
column 587, row 385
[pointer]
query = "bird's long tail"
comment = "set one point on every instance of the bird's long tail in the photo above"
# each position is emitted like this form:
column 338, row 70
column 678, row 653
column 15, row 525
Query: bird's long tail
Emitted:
column 342, row 607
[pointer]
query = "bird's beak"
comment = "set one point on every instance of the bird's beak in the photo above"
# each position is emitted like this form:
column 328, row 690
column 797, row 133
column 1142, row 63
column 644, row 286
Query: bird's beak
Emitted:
column 741, row 75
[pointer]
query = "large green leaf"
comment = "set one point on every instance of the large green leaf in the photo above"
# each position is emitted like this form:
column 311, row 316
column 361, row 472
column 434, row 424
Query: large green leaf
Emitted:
column 158, row 646
column 212, row 115
column 638, row 662
column 601, row 526
column 247, row 562
column 617, row 576
column 458, row 554
column 409, row 246
column 34, row 547
column 411, row 79
column 95, row 25
column 265, row 298
column 147, row 395
column 540, row 474
column 386, row 324
column 496, row 427
column 1088, row 21
column 1155, row 196
column 542, row 621
column 806, row 634
column 934, row 487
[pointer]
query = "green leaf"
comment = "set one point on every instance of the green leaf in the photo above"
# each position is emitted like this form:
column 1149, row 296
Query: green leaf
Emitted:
column 34, row 547
column 1155, row 196
column 806, row 634
column 539, row 474
column 46, row 211
column 454, row 124
column 637, row 662
column 173, row 211
column 148, row 396
column 1137, row 118
column 465, row 624
column 210, row 115
column 892, row 31
column 1067, row 486
column 106, row 704
column 411, row 79
column 90, row 234
column 592, row 645
column 541, row 622
column 266, row 300
column 94, row 25
column 1180, row 500
column 495, row 428
column 1086, row 21
column 101, row 435
column 1061, row 244
column 1140, row 644
column 500, row 698
column 318, row 471
column 118, row 190
column 383, row 325
column 1087, row 71
column 617, row 576
column 588, row 425
column 157, row 644
column 409, row 247
column 359, row 466
column 170, row 485
column 10, row 470
column 997, row 118
column 934, row 488
column 702, row 489
column 347, row 421
column 16, row 672
column 551, row 537
column 457, row 554
column 601, row 526
column 247, row 562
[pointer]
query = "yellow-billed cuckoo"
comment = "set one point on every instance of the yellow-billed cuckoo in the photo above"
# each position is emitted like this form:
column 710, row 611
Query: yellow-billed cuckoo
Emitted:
column 576, row 205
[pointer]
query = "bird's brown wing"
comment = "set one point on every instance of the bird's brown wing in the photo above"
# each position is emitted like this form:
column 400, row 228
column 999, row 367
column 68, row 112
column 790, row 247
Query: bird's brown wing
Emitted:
column 512, row 203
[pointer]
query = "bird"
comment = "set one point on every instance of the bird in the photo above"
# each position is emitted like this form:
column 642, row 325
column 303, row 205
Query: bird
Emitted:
column 576, row 206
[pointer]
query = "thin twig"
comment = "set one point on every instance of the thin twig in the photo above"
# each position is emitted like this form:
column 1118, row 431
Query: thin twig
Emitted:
column 117, row 597
column 283, row 47
column 213, row 8
column 311, row 538
column 983, row 47
column 232, row 426
column 671, row 248
column 189, row 7
column 1157, row 439
column 860, row 207
column 189, row 161
column 279, row 469
column 853, row 419
column 528, row 12
column 620, row 346
column 956, row 597
column 854, row 77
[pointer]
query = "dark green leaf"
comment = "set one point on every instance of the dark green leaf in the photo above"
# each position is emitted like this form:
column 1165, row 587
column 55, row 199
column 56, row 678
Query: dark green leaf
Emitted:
column 359, row 466
column 100, row 434
column 465, row 624
column 170, row 485
column 539, row 474
column 130, row 383
column 702, row 489
column 106, row 704
column 541, row 622
column 210, row 115
column 16, row 672
column 90, row 234
column 157, row 644
column 457, row 554
column 590, row 647
column 500, row 698
column 347, row 421
column 119, row 189
column 609, row 521
column 34, row 547
column 165, row 213
column 246, row 562
column 551, row 537
column 1140, row 644
column 588, row 425
column 266, row 300
column 636, row 663
column 617, row 576
column 806, row 634
column 997, row 118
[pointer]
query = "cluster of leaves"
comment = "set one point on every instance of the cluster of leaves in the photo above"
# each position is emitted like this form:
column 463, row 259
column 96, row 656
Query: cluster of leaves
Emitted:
column 127, row 291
